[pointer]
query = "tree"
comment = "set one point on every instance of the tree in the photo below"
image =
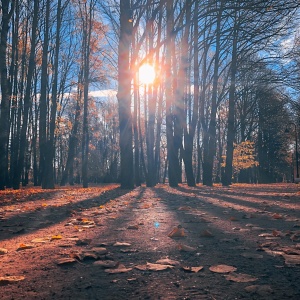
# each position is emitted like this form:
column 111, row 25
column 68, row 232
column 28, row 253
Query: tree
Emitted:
column 124, row 96
column 7, row 8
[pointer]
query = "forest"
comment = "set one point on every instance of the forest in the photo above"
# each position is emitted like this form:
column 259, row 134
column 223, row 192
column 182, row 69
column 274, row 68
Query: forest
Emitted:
column 148, row 91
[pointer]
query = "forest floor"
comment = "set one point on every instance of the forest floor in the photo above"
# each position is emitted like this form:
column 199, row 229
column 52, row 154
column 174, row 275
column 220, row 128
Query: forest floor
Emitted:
column 238, row 242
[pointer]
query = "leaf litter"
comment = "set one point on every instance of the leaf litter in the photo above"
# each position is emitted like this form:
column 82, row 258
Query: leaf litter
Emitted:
column 290, row 255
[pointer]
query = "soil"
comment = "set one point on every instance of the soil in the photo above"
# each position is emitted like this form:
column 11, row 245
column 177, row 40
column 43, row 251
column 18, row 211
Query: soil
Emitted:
column 237, row 242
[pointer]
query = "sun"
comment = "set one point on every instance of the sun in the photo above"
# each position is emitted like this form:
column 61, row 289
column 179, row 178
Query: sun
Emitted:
column 146, row 74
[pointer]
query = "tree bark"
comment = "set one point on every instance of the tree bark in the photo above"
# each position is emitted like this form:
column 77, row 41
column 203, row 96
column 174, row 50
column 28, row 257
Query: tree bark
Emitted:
column 124, row 96
column 231, row 112
column 5, row 98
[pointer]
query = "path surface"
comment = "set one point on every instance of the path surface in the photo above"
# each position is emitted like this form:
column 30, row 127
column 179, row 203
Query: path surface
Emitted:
column 241, row 242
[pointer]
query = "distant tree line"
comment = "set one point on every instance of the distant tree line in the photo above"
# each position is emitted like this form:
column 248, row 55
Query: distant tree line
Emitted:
column 226, row 90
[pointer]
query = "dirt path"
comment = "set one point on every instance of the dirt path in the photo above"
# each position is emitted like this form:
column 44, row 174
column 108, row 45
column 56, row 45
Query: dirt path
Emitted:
column 241, row 242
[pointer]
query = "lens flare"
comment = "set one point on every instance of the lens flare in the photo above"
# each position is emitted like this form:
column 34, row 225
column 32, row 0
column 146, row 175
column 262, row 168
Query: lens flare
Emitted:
column 146, row 74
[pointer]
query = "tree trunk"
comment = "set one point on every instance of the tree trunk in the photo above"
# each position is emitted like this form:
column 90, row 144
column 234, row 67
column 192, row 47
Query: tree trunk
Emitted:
column 172, row 159
column 209, row 152
column 45, row 169
column 124, row 96
column 231, row 111
column 27, row 98
column 5, row 99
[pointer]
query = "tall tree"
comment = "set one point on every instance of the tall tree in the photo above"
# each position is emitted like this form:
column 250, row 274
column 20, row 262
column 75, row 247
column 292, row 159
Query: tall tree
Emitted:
column 7, row 8
column 124, row 96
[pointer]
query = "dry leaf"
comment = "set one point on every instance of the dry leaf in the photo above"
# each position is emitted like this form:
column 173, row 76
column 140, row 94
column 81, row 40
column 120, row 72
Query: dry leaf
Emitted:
column 192, row 269
column 276, row 233
column 184, row 208
column 291, row 259
column 24, row 247
column 266, row 235
column 121, row 244
column 56, row 237
column 66, row 261
column 153, row 267
column 99, row 250
column 277, row 216
column 272, row 252
column 120, row 269
column 262, row 290
column 10, row 279
column 141, row 267
column 167, row 261
column 158, row 267
column 106, row 264
column 3, row 251
column 222, row 269
column 146, row 206
column 206, row 233
column 239, row 277
column 177, row 232
column 185, row 248
column 233, row 219
column 88, row 254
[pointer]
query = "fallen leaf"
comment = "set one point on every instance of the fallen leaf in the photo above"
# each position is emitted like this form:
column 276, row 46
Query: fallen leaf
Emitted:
column 240, row 277
column 120, row 269
column 262, row 290
column 177, row 232
column 233, row 219
column 158, row 267
column 206, row 233
column 153, row 267
column 266, row 235
column 141, row 267
column 192, row 269
column 3, row 251
column 24, row 247
column 88, row 254
column 56, row 237
column 222, row 269
column 185, row 248
column 276, row 233
column 291, row 259
column 295, row 237
column 66, row 261
column 184, row 208
column 10, row 279
column 167, row 261
column 106, row 264
column 272, row 252
column 277, row 216
column 146, row 206
column 99, row 250
column 121, row 244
